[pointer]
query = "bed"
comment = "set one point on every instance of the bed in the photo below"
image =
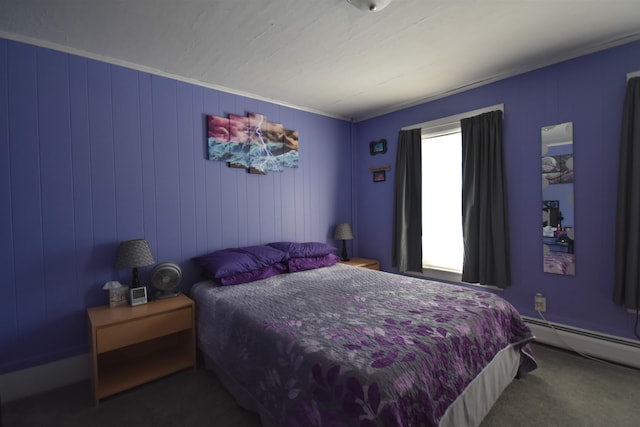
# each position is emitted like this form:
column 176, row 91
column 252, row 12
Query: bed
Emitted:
column 345, row 346
column 559, row 263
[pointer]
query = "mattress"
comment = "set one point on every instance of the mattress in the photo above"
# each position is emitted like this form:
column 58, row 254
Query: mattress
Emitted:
column 348, row 346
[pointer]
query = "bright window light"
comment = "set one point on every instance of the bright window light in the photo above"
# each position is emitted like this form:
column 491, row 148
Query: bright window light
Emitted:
column 442, row 247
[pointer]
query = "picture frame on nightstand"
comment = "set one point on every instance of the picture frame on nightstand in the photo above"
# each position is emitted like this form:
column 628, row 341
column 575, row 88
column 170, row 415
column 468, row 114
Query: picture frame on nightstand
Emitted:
column 118, row 297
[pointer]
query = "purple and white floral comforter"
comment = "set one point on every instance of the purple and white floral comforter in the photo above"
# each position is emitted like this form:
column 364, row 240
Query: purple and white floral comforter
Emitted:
column 349, row 346
column 558, row 262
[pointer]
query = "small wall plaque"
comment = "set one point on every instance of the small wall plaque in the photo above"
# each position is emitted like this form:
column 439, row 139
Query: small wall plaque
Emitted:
column 378, row 147
column 379, row 176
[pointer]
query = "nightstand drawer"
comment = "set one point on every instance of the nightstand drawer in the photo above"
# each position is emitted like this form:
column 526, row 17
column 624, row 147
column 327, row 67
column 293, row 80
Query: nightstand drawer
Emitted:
column 128, row 333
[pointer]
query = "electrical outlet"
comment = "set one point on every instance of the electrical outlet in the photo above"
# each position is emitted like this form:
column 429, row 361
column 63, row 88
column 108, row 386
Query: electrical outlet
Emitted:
column 540, row 303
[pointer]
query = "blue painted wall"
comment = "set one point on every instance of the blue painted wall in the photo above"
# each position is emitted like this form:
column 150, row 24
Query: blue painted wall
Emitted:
column 587, row 91
column 92, row 154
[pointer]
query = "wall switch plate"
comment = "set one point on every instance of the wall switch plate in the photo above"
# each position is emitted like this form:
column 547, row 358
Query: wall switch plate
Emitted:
column 540, row 303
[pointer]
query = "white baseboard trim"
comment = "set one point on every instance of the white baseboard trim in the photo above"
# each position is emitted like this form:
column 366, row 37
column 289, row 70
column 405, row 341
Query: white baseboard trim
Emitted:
column 28, row 382
column 602, row 346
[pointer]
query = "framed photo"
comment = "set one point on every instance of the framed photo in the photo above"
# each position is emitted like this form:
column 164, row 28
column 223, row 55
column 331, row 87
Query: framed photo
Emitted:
column 378, row 147
column 118, row 297
column 379, row 176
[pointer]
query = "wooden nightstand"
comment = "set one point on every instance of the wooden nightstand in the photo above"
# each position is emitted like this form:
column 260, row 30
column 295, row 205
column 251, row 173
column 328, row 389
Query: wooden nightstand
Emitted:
column 134, row 345
column 371, row 264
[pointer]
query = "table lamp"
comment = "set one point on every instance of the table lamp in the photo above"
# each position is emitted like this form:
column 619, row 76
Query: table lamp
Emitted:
column 134, row 254
column 343, row 232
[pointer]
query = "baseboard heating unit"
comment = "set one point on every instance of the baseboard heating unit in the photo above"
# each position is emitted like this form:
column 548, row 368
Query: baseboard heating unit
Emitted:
column 602, row 346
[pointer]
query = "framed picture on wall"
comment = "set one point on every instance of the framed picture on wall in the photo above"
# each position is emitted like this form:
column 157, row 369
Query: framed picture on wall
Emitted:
column 379, row 176
column 378, row 147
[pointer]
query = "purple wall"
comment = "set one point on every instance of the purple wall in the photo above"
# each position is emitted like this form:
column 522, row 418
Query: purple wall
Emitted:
column 587, row 91
column 93, row 154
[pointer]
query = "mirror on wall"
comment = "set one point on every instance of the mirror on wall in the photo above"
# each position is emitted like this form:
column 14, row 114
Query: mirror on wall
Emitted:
column 558, row 230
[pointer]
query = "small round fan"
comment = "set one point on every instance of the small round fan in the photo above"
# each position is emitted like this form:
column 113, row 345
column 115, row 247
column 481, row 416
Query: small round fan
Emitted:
column 166, row 277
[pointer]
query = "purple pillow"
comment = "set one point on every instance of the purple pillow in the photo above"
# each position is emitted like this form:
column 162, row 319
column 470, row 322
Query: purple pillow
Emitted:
column 253, row 275
column 227, row 262
column 303, row 250
column 309, row 263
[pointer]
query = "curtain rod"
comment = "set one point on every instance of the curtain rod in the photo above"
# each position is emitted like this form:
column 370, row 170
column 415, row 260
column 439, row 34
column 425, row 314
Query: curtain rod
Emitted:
column 455, row 117
column 633, row 74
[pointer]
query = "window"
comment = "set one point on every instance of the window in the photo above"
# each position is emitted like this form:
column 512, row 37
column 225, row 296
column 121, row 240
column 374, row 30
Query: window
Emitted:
column 442, row 246
column 442, row 243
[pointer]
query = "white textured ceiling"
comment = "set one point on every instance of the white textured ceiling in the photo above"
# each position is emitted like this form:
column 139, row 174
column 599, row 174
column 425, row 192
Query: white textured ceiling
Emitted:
column 325, row 55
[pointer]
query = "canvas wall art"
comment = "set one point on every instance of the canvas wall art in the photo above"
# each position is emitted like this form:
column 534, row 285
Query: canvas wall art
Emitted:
column 251, row 142
column 558, row 169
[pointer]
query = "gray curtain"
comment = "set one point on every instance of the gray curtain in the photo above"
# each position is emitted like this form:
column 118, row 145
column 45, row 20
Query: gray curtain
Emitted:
column 485, row 216
column 627, row 262
column 407, row 203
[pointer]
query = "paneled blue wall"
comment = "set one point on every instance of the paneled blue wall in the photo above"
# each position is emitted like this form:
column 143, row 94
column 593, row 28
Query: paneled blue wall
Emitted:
column 588, row 91
column 92, row 154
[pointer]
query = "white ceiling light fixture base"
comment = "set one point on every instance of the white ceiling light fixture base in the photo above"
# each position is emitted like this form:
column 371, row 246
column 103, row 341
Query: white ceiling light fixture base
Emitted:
column 370, row 5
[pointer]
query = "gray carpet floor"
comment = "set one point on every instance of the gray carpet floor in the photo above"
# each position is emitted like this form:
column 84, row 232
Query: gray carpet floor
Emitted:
column 566, row 390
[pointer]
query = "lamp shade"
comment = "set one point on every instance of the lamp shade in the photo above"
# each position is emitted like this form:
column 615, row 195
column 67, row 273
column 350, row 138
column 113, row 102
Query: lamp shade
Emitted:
column 343, row 232
column 134, row 253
